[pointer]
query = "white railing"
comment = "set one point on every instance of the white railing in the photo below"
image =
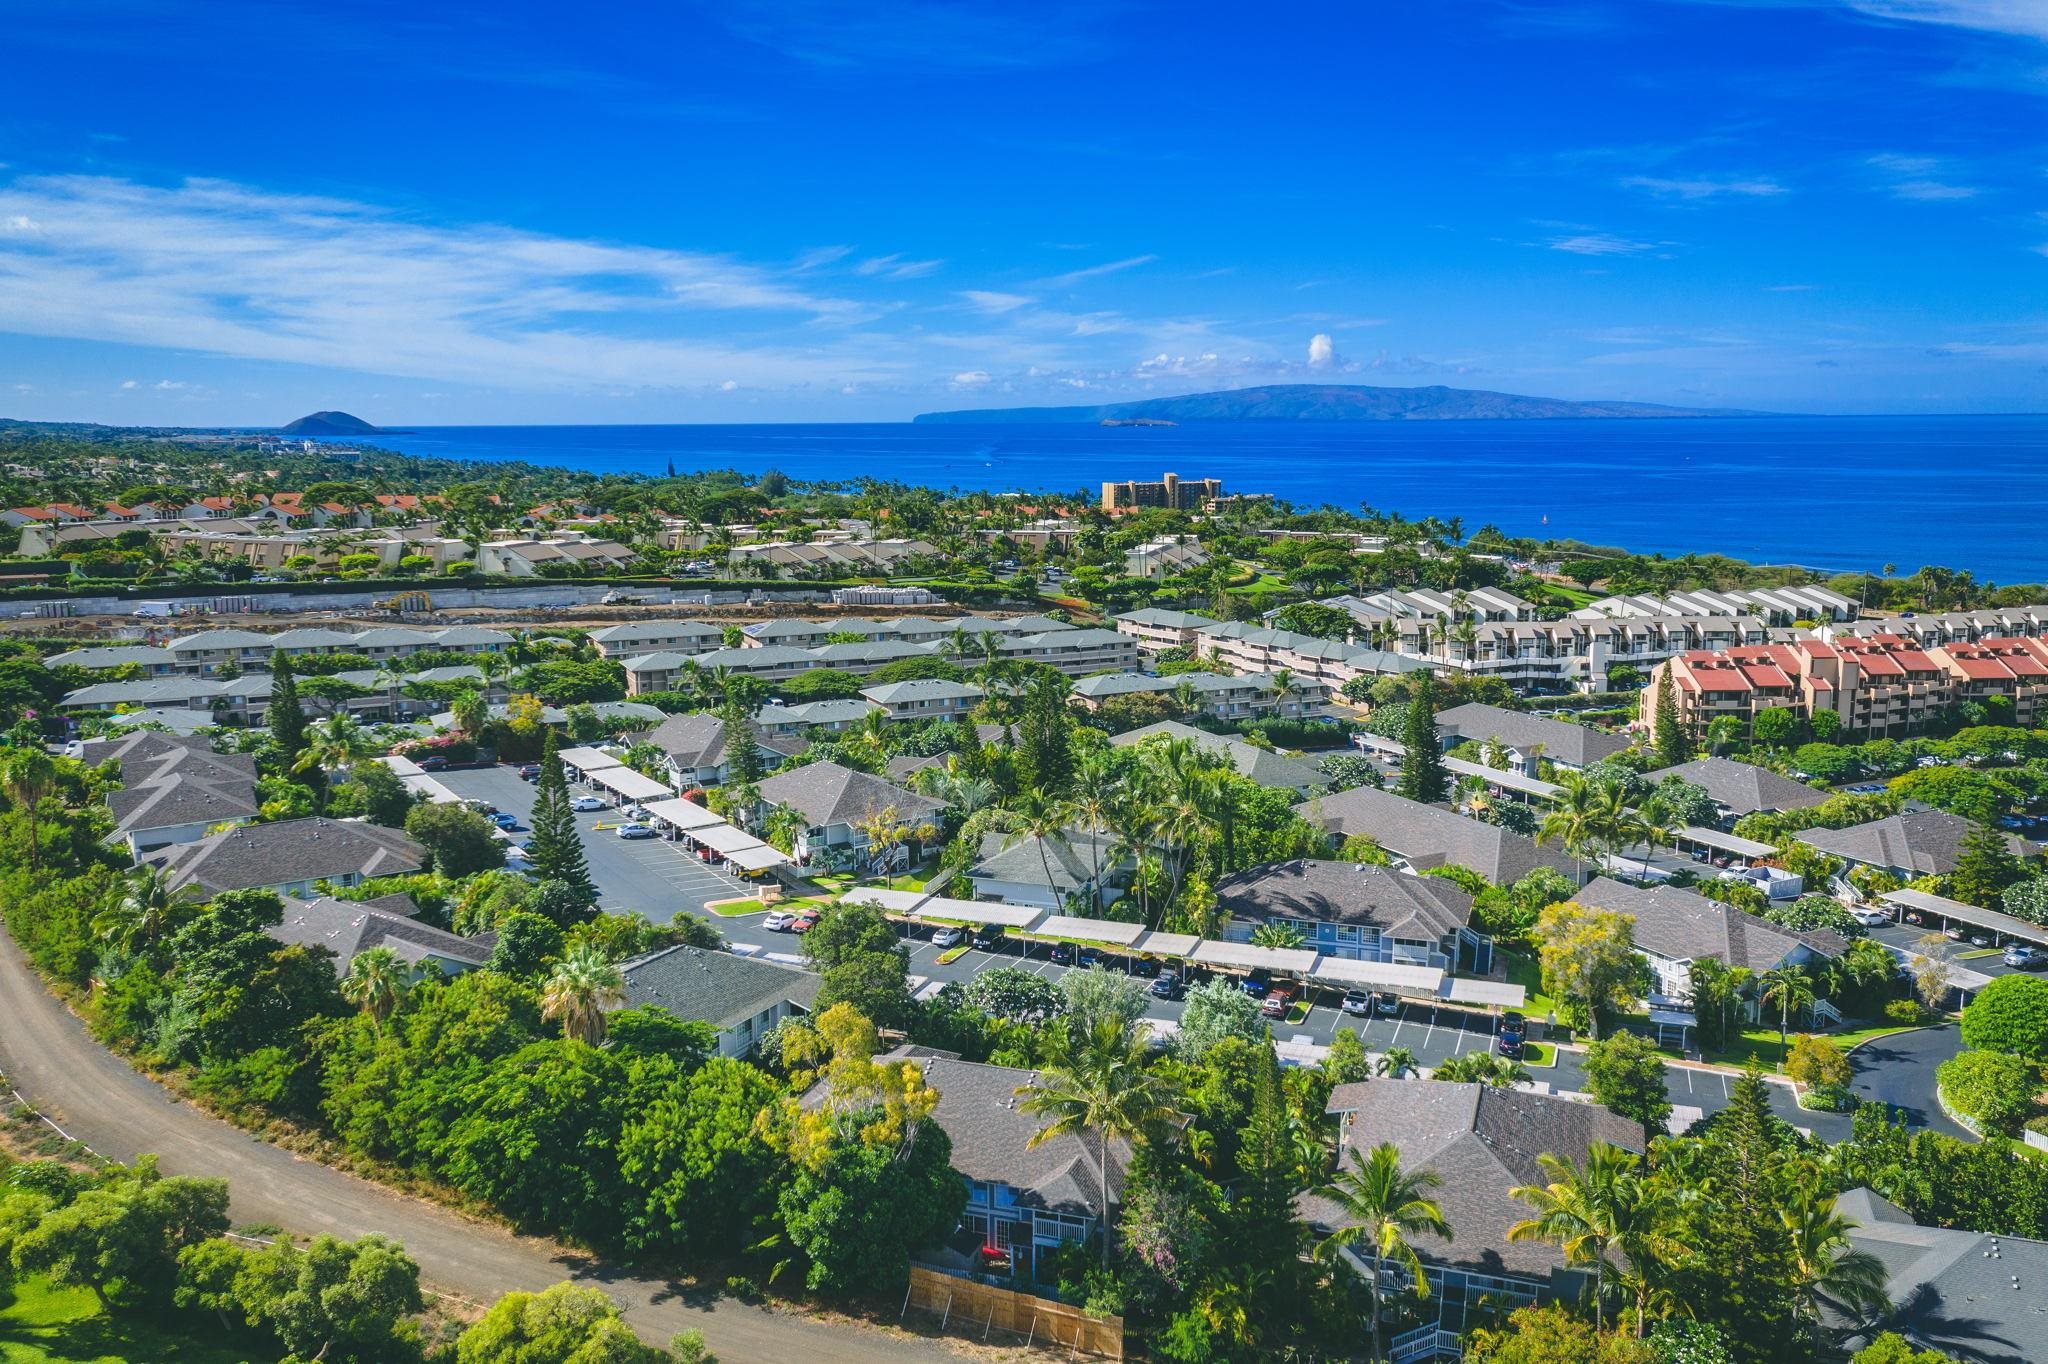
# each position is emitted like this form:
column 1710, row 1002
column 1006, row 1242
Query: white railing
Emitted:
column 1424, row 1342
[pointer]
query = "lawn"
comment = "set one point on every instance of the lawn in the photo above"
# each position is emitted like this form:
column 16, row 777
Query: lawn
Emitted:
column 48, row 1325
column 1538, row 1054
column 1762, row 1043
column 1523, row 971
column 738, row 909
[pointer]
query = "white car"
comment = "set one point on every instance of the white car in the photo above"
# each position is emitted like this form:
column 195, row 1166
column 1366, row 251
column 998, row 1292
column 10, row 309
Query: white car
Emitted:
column 585, row 803
column 1870, row 918
column 636, row 812
column 778, row 921
column 948, row 936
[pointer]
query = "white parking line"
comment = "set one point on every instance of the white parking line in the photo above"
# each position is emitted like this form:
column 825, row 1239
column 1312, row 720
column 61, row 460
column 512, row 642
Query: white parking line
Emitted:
column 1430, row 1036
column 1399, row 1019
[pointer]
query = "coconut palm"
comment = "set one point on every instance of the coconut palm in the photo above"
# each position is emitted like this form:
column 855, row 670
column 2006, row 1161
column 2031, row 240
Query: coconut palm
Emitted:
column 1384, row 1207
column 1396, row 1062
column 1578, row 1211
column 471, row 711
column 377, row 982
column 1043, row 821
column 1100, row 1085
column 1827, row 1269
column 1092, row 805
column 1282, row 936
column 29, row 777
column 335, row 744
column 1791, row 989
column 584, row 985
column 1576, row 820
column 147, row 913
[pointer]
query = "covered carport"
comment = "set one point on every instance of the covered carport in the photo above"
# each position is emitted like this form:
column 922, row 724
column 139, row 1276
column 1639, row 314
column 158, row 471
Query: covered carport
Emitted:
column 677, row 814
column 579, row 763
column 1529, row 788
column 1166, row 946
column 1955, row 911
column 1693, row 836
column 985, row 913
column 1485, row 994
column 1392, row 977
column 1109, row 932
column 626, row 786
column 1243, row 957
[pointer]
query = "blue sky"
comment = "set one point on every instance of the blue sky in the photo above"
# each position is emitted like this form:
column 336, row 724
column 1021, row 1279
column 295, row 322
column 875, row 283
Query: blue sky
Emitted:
column 816, row 211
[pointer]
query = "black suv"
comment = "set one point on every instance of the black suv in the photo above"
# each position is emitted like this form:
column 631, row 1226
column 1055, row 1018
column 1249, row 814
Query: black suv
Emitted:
column 1169, row 985
column 987, row 937
column 1514, row 1025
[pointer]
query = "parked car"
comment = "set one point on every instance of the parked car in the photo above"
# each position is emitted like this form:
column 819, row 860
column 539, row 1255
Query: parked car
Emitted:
column 1063, row 954
column 504, row 821
column 1508, row 1047
column 1278, row 1001
column 805, row 921
column 987, row 937
column 2021, row 957
column 1514, row 1025
column 637, row 812
column 1256, row 983
column 1090, row 956
column 948, row 936
column 636, row 831
column 778, row 921
column 1358, row 1002
column 1870, row 918
column 585, row 803
column 433, row 762
column 1143, row 966
column 1386, row 1004
column 1169, row 985
column 529, row 771
column 482, row 807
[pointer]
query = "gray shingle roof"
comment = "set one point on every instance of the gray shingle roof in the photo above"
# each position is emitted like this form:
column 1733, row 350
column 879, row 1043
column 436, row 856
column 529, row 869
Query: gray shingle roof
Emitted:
column 1428, row 836
column 1741, row 788
column 289, row 851
column 1397, row 903
column 991, row 1133
column 181, row 798
column 111, row 656
column 1948, row 1291
column 1682, row 926
column 347, row 927
column 826, row 793
column 1923, row 842
column 1166, row 619
column 1574, row 745
column 715, row 987
column 1260, row 765
column 1002, row 857
column 921, row 689
column 1481, row 1142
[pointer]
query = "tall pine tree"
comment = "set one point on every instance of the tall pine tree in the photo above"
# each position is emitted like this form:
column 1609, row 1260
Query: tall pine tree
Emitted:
column 555, row 847
column 287, row 716
column 1673, row 747
column 1423, row 774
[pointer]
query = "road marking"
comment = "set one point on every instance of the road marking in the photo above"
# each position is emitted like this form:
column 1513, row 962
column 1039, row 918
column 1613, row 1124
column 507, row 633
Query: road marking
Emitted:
column 1430, row 1035
column 1399, row 1019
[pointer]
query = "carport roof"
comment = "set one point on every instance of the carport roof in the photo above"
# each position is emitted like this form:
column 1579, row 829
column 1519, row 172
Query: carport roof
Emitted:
column 588, row 759
column 629, row 783
column 1714, row 838
column 683, row 814
column 1295, row 960
column 756, row 859
column 724, row 838
column 980, row 912
column 1167, row 944
column 1399, row 977
column 1969, row 914
column 1090, row 930
column 1512, row 781
column 1464, row 990
column 884, row 898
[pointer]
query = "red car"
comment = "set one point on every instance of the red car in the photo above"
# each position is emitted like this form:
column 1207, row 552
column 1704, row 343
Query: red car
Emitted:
column 805, row 922
column 1277, row 1001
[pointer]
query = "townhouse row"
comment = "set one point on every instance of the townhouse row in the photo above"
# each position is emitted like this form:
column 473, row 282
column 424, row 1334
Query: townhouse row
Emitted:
column 206, row 652
column 1073, row 652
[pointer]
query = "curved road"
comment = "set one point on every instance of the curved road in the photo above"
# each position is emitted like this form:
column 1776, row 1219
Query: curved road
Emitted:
column 101, row 1101
column 1898, row 1069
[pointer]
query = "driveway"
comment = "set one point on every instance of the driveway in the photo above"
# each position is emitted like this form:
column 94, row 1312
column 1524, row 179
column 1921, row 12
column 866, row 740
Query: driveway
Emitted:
column 99, row 1100
column 1899, row 1070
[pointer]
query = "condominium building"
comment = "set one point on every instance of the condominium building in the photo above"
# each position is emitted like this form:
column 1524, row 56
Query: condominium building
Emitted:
column 1162, row 558
column 1171, row 491
column 1952, row 627
column 1243, row 647
column 1239, row 696
column 1156, row 628
column 1781, row 606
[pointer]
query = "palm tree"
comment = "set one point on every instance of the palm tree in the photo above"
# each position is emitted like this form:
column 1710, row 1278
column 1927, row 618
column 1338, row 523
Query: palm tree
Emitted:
column 334, row 744
column 1396, row 1062
column 1790, row 988
column 1092, row 805
column 147, row 913
column 1577, row 1210
column 471, row 711
column 1827, row 1269
column 29, row 777
column 584, row 985
column 1043, row 821
column 1576, row 820
column 1277, row 935
column 377, row 981
column 1384, row 1206
column 1101, row 1086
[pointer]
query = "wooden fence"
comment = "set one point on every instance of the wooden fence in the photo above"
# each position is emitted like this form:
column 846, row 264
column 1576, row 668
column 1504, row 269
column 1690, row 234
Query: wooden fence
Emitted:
column 977, row 1310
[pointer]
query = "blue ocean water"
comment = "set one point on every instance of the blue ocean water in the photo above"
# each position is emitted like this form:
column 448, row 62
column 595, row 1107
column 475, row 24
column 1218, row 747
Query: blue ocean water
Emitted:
column 1832, row 493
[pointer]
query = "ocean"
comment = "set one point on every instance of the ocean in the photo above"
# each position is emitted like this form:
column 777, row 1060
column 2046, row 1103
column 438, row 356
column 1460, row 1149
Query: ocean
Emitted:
column 1836, row 494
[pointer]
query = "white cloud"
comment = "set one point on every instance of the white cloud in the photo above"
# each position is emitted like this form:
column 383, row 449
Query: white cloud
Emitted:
column 729, row 386
column 2023, row 18
column 233, row 271
column 167, row 385
column 821, row 256
column 1787, row 288
column 1600, row 244
column 128, row 383
column 1703, row 188
column 1322, row 351
column 973, row 378
column 1916, row 177
column 990, row 301
column 895, row 267
column 1933, row 190
column 1073, row 277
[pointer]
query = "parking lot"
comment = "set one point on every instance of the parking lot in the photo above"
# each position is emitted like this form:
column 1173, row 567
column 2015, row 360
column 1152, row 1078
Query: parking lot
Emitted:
column 1906, row 938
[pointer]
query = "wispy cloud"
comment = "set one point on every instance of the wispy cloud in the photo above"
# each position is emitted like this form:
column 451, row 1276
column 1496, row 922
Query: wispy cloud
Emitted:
column 820, row 256
column 1704, row 188
column 990, row 301
column 1926, row 178
column 2022, row 18
column 235, row 271
column 917, row 33
column 1073, row 277
column 1600, row 244
column 896, row 267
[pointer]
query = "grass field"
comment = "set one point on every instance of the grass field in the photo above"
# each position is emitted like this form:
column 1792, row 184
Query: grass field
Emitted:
column 1762, row 1043
column 48, row 1325
column 1538, row 1054
column 1523, row 971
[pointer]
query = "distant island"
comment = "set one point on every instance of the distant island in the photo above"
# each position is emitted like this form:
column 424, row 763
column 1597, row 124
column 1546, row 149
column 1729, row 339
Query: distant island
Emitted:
column 1326, row 403
column 332, row 424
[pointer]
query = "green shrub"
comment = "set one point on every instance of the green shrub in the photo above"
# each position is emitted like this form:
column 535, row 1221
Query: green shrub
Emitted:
column 2009, row 1015
column 1905, row 1011
column 1993, row 1088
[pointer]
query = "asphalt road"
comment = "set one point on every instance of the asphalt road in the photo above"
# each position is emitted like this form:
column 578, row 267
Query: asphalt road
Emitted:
column 1899, row 1070
column 1906, row 938
column 99, row 1100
